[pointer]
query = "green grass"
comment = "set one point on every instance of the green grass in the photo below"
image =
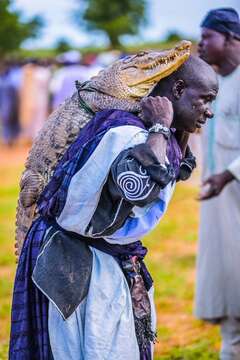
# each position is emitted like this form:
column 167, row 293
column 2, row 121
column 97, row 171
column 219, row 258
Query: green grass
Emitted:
column 3, row 352
column 171, row 260
column 200, row 351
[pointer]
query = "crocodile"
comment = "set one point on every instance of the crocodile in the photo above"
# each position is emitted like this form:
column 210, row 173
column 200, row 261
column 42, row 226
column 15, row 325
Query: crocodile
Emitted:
column 120, row 86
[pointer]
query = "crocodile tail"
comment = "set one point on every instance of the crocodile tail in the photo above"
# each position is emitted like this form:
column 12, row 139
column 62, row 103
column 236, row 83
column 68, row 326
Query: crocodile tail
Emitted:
column 31, row 185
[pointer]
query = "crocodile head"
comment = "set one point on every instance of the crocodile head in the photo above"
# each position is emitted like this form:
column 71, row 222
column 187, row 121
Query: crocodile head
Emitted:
column 135, row 76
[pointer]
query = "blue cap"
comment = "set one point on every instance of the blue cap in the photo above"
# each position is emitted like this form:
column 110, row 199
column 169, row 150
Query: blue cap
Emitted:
column 223, row 20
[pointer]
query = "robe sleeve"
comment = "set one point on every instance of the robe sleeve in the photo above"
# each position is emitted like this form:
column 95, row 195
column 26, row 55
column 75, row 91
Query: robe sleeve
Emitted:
column 138, row 176
column 187, row 165
column 234, row 168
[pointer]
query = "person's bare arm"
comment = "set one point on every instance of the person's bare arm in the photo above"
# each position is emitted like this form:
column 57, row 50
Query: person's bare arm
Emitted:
column 213, row 185
column 157, row 110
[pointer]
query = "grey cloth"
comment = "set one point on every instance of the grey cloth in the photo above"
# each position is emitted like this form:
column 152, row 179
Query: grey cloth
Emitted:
column 230, row 331
column 63, row 270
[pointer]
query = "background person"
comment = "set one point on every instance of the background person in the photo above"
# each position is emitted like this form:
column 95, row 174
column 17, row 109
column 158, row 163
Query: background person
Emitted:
column 34, row 98
column 218, row 280
column 10, row 83
column 72, row 68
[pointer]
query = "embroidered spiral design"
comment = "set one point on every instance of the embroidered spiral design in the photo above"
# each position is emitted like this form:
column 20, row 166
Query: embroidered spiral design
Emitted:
column 132, row 184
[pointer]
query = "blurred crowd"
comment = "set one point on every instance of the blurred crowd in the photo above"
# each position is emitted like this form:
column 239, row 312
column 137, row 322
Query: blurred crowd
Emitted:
column 31, row 89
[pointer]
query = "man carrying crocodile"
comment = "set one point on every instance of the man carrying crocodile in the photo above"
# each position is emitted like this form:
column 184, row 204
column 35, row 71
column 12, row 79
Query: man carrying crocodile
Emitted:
column 82, row 290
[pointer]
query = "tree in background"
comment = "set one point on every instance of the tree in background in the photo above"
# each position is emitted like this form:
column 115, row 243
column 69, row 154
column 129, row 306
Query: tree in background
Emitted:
column 62, row 46
column 13, row 31
column 173, row 36
column 115, row 17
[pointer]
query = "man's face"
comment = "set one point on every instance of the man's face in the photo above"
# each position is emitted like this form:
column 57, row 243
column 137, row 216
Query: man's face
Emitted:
column 212, row 46
column 194, row 107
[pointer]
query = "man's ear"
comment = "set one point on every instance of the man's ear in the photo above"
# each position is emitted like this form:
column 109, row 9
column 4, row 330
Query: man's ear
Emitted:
column 229, row 42
column 178, row 88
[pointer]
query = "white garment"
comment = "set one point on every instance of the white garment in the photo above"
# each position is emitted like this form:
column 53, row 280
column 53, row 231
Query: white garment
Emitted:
column 34, row 98
column 86, row 185
column 142, row 219
column 102, row 327
column 218, row 280
column 63, row 86
column 234, row 168
column 230, row 331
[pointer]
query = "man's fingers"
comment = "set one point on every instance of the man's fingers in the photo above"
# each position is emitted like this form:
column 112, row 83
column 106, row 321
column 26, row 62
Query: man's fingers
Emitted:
column 207, row 181
column 207, row 195
column 208, row 190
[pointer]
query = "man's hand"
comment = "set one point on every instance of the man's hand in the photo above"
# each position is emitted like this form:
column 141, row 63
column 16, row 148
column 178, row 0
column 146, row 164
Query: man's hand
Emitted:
column 157, row 110
column 215, row 184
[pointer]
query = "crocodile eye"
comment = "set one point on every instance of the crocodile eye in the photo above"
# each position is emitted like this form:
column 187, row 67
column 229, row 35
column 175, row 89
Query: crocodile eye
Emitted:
column 142, row 53
column 126, row 59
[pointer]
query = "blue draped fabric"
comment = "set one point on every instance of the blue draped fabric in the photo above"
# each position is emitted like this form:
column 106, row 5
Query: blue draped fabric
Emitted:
column 29, row 331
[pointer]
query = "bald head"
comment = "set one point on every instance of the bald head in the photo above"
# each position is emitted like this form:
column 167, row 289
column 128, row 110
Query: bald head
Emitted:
column 194, row 72
column 191, row 90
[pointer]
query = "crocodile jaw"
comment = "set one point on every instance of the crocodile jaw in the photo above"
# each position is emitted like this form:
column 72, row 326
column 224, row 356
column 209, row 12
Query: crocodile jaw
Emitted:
column 141, row 78
column 135, row 76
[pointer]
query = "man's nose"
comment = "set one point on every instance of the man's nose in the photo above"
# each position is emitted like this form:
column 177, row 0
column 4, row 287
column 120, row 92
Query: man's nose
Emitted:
column 208, row 113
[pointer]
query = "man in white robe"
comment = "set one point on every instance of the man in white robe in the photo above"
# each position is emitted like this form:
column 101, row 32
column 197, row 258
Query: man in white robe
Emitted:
column 218, row 280
column 102, row 326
